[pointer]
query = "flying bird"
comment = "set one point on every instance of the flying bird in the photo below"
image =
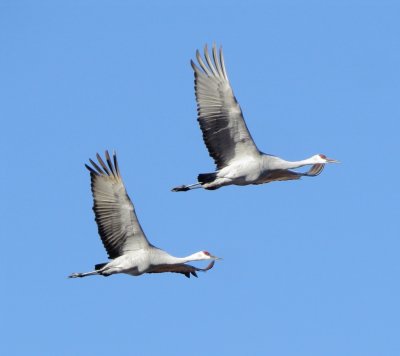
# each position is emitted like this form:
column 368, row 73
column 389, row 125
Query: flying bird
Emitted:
column 127, row 246
column 228, row 139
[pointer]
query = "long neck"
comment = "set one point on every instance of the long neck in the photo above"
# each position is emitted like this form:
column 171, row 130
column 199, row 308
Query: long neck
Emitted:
column 167, row 258
column 192, row 257
column 279, row 163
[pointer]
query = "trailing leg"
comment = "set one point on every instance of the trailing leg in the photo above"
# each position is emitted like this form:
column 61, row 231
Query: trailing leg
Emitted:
column 185, row 188
column 98, row 269
column 85, row 274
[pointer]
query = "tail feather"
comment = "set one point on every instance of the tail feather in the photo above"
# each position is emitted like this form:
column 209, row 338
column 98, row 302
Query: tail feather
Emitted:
column 99, row 266
column 206, row 177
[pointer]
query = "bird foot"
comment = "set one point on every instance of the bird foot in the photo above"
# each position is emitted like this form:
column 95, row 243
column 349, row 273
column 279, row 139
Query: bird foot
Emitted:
column 181, row 188
column 75, row 275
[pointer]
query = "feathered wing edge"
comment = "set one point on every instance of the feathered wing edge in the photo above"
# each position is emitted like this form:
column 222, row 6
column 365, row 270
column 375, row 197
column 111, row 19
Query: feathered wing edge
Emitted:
column 216, row 69
column 118, row 225
column 182, row 268
column 110, row 170
column 286, row 174
column 223, row 127
column 315, row 170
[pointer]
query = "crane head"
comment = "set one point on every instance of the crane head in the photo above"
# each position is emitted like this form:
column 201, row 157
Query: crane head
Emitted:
column 208, row 256
column 320, row 158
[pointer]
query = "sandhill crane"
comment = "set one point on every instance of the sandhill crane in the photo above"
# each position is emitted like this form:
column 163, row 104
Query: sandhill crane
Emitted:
column 122, row 236
column 227, row 138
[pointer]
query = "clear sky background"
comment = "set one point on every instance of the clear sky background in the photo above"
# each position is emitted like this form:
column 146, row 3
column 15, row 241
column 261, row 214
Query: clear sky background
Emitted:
column 310, row 267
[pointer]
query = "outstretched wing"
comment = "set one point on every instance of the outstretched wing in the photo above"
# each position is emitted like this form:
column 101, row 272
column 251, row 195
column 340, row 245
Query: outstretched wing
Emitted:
column 285, row 174
column 221, row 120
column 315, row 170
column 185, row 269
column 115, row 216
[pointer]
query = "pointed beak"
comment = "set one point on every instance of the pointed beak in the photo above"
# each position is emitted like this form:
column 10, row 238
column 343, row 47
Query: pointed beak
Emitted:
column 216, row 258
column 330, row 160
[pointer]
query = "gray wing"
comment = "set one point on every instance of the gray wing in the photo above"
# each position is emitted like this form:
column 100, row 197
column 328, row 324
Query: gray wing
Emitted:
column 182, row 268
column 286, row 174
column 115, row 216
column 315, row 170
column 221, row 120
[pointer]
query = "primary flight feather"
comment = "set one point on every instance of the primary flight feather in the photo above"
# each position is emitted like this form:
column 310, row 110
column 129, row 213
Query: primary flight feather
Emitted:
column 128, row 249
column 227, row 138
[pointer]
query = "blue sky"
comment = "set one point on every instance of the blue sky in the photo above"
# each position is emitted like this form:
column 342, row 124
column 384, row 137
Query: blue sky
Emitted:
column 310, row 267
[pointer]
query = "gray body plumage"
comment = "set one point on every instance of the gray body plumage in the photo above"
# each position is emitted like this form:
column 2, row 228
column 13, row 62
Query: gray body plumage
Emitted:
column 227, row 138
column 120, row 231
